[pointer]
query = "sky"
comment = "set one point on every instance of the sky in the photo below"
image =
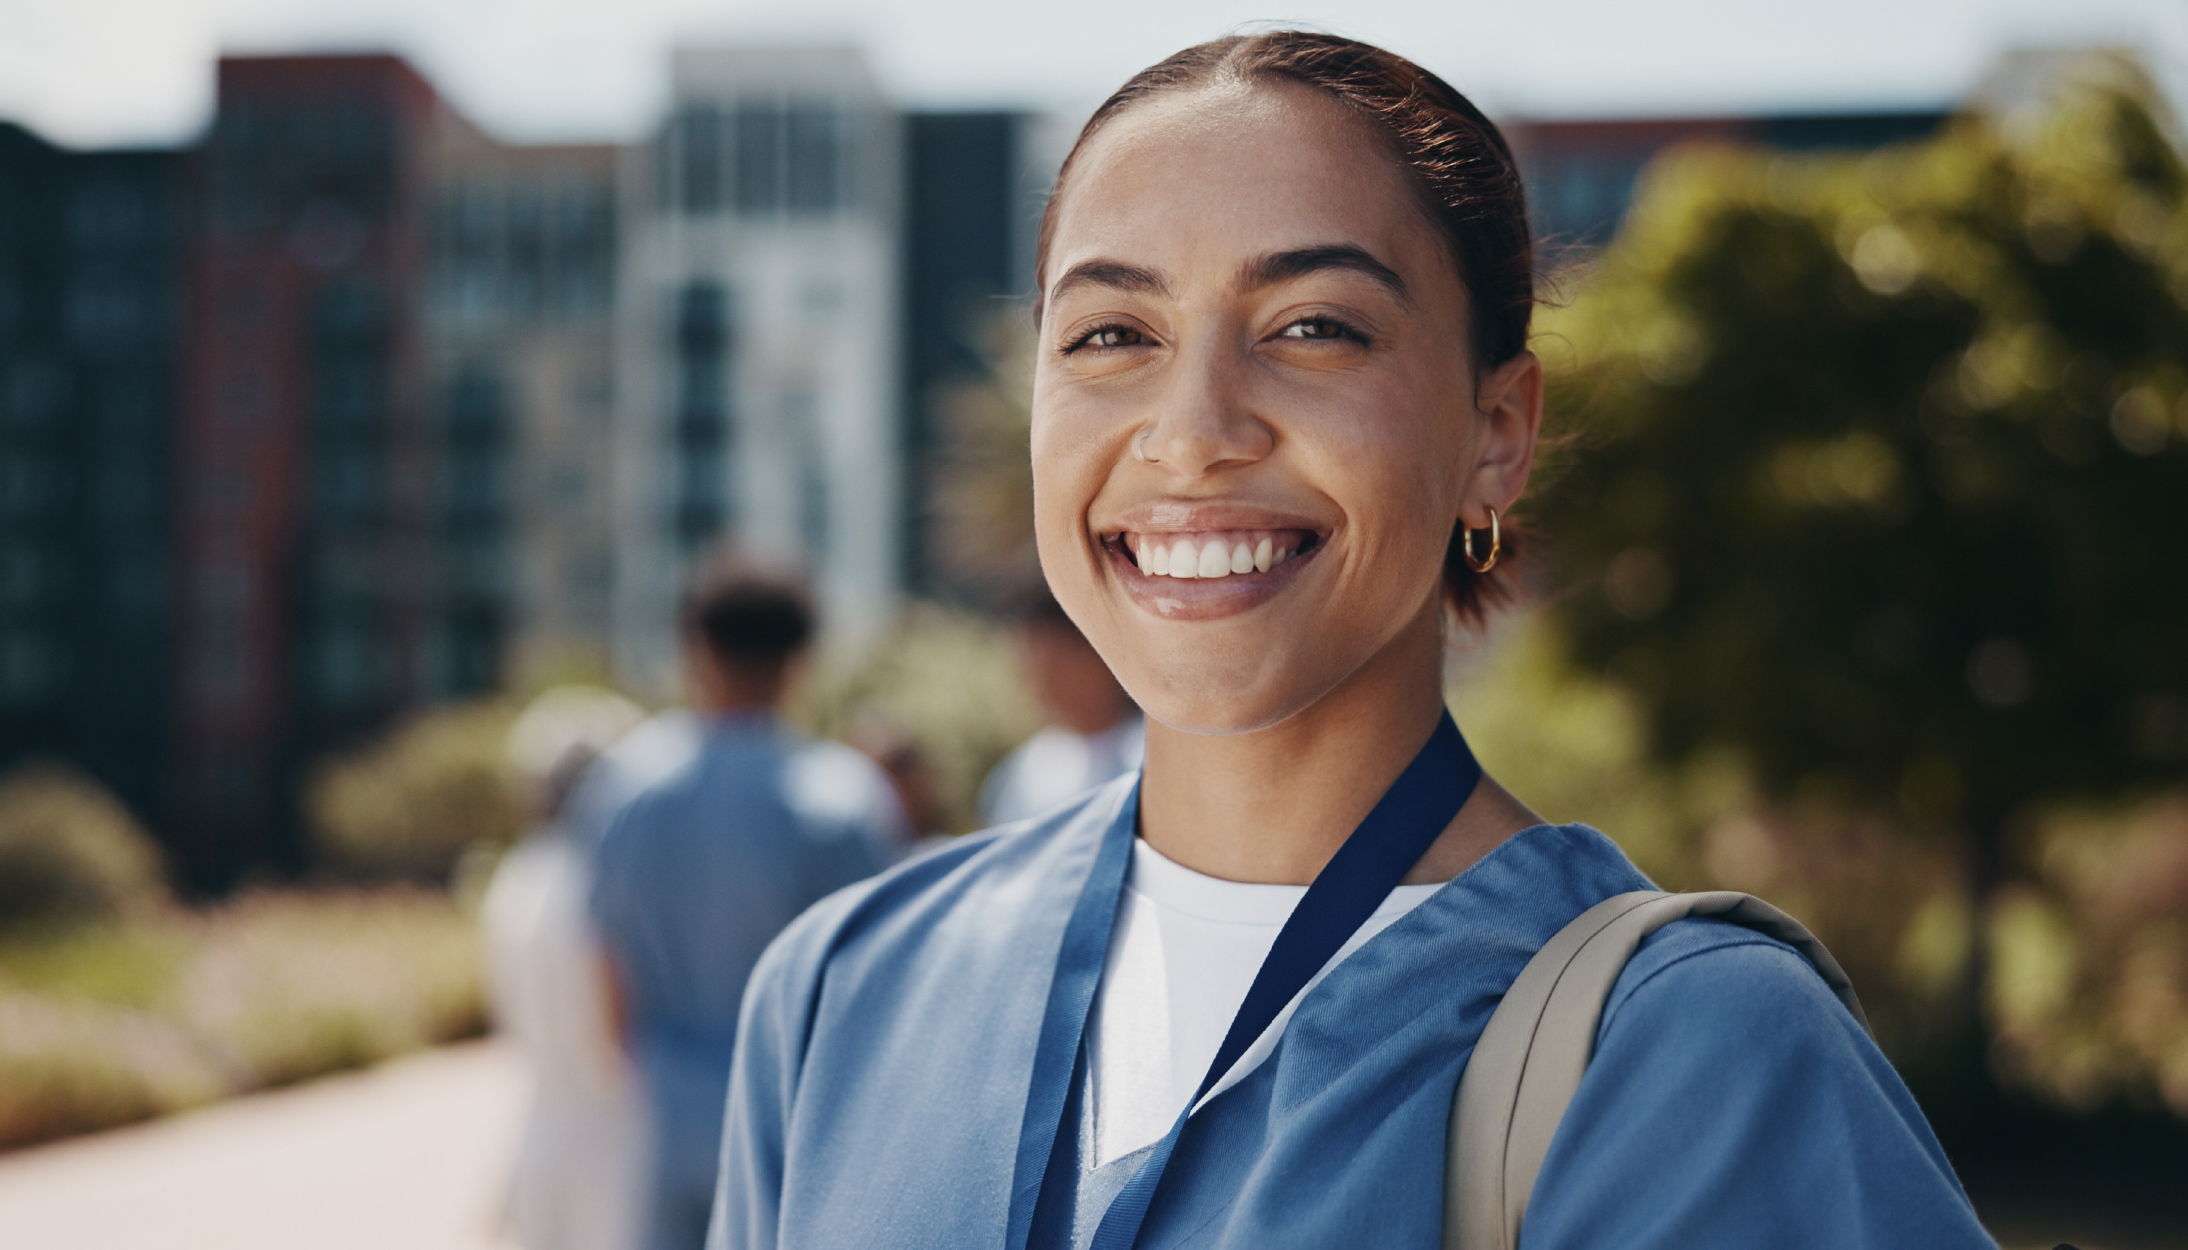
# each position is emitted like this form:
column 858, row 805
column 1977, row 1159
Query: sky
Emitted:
column 107, row 72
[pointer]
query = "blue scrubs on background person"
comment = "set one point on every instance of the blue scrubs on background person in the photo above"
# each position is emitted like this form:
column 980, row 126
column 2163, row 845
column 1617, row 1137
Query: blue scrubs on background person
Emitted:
column 894, row 1036
column 662, row 744
column 707, row 863
column 1094, row 731
column 1058, row 765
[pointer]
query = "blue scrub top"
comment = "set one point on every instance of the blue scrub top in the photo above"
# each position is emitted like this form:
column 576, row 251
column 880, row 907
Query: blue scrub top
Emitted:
column 699, row 870
column 894, row 1038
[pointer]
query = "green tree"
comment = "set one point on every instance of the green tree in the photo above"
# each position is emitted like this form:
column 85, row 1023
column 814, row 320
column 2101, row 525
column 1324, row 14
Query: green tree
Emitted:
column 1884, row 480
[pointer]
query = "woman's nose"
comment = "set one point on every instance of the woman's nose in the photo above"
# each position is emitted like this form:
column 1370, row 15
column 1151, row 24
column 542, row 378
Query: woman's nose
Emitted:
column 1203, row 421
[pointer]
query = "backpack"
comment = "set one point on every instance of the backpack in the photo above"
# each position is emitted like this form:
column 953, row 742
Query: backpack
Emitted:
column 1536, row 1046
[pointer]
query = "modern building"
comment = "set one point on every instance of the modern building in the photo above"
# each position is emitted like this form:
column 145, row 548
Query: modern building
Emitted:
column 757, row 356
column 519, row 389
column 972, row 206
column 304, row 451
column 394, row 430
column 88, row 325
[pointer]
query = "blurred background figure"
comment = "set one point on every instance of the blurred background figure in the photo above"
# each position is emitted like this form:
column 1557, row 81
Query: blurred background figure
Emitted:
column 706, row 865
column 1094, row 732
column 578, row 1165
column 886, row 742
column 664, row 743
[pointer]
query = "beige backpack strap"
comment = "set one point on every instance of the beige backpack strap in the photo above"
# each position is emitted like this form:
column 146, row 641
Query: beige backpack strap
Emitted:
column 1531, row 1056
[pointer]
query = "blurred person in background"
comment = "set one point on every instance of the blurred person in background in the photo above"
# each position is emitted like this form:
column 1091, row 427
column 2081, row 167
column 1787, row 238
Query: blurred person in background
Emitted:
column 665, row 743
column 706, row 864
column 575, row 1184
column 886, row 742
column 1094, row 732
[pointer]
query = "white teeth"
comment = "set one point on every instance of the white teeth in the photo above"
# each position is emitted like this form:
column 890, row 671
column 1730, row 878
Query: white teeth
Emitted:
column 1215, row 559
column 1219, row 555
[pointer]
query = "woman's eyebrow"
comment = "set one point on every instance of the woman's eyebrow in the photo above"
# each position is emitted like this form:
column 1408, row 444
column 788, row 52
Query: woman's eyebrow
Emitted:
column 1114, row 274
column 1285, row 266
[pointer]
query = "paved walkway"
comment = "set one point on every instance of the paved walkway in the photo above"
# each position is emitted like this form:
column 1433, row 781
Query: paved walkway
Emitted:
column 408, row 1156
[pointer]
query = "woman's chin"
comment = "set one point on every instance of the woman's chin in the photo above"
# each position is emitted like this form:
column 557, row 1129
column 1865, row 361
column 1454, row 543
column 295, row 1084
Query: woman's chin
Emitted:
column 1216, row 704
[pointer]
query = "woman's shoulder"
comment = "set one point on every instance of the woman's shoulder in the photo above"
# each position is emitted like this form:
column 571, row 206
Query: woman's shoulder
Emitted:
column 1732, row 1100
column 1714, row 971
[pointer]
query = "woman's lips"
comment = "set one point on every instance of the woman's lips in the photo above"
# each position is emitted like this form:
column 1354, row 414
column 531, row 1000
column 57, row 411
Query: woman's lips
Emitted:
column 1202, row 574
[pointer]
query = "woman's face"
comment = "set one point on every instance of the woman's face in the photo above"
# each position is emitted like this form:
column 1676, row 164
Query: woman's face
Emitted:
column 1255, row 418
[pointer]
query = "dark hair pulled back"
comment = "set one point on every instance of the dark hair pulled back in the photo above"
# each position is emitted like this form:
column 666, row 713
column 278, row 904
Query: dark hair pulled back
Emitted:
column 1461, row 169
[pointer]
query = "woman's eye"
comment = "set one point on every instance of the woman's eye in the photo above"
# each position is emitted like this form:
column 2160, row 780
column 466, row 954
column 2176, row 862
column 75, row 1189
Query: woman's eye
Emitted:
column 1108, row 336
column 1318, row 328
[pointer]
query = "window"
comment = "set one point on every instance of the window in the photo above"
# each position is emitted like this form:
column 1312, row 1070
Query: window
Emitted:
column 22, row 575
column 474, row 455
column 105, row 212
column 344, row 668
column 814, row 159
column 31, row 667
column 348, row 483
column 695, row 144
column 801, row 415
column 105, row 308
column 583, row 241
column 349, row 391
column 787, row 157
column 470, row 648
column 759, row 156
column 701, row 433
column 524, row 255
column 35, row 391
column 30, row 484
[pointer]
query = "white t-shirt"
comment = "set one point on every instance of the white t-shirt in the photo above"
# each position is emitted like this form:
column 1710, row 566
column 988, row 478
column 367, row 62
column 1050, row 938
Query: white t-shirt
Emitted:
column 1186, row 949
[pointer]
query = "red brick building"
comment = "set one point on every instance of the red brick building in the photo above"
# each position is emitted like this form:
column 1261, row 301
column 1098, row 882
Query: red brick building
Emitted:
column 301, row 449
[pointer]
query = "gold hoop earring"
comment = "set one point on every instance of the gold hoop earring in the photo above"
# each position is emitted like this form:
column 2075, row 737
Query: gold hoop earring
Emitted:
column 1496, row 544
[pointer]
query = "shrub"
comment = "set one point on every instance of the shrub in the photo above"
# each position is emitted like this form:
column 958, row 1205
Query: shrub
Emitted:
column 295, row 986
column 69, row 853
column 105, row 1024
column 408, row 807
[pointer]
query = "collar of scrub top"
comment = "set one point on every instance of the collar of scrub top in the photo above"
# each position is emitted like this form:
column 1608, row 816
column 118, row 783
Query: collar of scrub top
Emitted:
column 1372, row 862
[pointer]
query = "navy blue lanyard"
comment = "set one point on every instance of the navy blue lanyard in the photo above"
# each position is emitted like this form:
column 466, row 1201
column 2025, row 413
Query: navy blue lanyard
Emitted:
column 1378, row 855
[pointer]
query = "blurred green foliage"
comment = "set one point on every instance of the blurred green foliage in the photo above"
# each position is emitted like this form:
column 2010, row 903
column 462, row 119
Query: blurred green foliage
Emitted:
column 117, row 1004
column 409, row 806
column 110, row 1023
column 69, row 853
column 1576, row 748
column 1881, row 504
column 1886, row 483
column 2090, row 996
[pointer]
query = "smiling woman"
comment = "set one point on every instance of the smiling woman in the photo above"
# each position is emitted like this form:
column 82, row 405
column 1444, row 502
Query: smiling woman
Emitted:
column 1282, row 383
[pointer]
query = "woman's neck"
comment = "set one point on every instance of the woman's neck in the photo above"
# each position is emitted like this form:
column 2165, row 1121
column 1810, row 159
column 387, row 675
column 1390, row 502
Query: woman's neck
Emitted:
column 1275, row 804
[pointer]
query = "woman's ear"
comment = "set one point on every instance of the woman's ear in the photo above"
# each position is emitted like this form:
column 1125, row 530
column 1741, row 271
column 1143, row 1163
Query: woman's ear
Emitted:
column 1508, row 403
